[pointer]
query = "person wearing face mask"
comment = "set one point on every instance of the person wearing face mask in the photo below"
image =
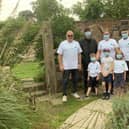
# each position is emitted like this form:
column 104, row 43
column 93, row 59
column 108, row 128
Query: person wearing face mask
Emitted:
column 88, row 45
column 119, row 75
column 124, row 47
column 107, row 43
column 93, row 74
column 107, row 71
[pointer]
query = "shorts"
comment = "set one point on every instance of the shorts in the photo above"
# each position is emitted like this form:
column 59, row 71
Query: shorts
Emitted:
column 107, row 79
column 119, row 80
column 93, row 82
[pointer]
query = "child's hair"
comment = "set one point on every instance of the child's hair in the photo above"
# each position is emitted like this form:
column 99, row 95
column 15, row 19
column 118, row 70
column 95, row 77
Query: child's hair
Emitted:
column 92, row 55
column 106, row 50
column 119, row 52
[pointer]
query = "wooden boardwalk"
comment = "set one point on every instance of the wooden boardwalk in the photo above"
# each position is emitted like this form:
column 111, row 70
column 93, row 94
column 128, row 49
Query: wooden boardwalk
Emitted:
column 91, row 116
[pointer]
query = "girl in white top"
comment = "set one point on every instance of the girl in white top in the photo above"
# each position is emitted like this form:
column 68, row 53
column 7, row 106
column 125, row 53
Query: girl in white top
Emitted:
column 119, row 76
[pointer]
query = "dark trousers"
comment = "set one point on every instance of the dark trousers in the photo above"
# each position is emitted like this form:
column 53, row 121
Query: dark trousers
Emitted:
column 66, row 75
column 85, row 75
column 127, row 73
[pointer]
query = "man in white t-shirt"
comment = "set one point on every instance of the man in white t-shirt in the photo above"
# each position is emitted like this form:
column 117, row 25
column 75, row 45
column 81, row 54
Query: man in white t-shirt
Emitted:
column 124, row 46
column 69, row 58
column 107, row 43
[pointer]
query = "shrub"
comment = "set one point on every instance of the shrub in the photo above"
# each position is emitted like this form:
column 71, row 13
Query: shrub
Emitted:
column 120, row 116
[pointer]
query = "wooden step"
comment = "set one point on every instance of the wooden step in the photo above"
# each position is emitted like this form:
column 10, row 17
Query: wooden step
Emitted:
column 37, row 93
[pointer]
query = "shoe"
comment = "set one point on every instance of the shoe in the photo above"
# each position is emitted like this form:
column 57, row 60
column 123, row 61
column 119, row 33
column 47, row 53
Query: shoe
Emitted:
column 104, row 96
column 75, row 95
column 64, row 99
column 107, row 96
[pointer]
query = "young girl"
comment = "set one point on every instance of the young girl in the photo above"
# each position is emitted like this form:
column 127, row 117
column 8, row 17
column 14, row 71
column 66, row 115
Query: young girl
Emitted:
column 119, row 76
column 107, row 71
column 93, row 74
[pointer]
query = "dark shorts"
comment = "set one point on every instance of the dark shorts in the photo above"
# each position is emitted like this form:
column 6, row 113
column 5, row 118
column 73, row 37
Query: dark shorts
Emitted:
column 93, row 82
column 119, row 80
column 107, row 79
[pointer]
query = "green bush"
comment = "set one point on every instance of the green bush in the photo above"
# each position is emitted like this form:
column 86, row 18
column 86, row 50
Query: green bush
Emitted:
column 14, row 113
column 120, row 116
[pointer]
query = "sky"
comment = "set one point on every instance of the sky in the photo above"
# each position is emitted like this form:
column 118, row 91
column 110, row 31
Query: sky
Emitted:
column 8, row 6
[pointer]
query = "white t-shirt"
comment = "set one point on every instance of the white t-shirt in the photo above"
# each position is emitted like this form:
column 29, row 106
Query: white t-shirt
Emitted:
column 124, row 46
column 107, row 63
column 94, row 69
column 69, row 51
column 120, row 66
column 111, row 44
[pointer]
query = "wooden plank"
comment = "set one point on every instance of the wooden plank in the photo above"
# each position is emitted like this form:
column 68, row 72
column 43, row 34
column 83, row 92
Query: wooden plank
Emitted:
column 50, row 67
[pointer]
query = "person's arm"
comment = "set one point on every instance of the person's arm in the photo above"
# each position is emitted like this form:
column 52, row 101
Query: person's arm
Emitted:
column 60, row 61
column 111, row 68
column 125, row 75
column 79, row 61
column 98, row 54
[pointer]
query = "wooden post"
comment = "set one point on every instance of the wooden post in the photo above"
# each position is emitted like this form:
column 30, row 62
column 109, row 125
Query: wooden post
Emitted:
column 49, row 59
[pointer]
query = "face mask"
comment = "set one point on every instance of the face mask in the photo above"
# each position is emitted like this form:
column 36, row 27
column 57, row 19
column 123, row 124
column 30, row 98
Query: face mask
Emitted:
column 93, row 59
column 125, row 35
column 119, row 56
column 106, row 37
column 106, row 54
column 88, row 34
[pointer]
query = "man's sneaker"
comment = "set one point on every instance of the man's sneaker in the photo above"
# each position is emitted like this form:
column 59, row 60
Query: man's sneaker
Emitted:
column 75, row 95
column 64, row 99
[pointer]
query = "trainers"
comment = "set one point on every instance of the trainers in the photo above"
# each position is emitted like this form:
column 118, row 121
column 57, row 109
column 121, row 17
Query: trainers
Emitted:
column 75, row 95
column 64, row 99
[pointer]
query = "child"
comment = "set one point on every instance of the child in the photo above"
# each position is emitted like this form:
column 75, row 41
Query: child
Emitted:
column 93, row 74
column 119, row 76
column 107, row 71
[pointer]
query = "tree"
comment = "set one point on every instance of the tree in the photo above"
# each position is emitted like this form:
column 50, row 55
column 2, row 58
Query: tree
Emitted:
column 117, row 9
column 45, row 9
column 27, row 14
column 89, row 9
column 96, row 9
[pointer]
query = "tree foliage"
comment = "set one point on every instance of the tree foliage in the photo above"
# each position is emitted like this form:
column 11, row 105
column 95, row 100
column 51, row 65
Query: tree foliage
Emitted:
column 96, row 9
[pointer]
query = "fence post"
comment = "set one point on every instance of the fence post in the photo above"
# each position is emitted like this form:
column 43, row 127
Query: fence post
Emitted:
column 49, row 58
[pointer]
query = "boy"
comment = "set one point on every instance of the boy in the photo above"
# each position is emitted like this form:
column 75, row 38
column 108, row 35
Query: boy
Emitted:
column 107, row 63
column 93, row 74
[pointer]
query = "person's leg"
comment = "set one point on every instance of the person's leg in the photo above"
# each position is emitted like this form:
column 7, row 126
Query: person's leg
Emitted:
column 104, row 89
column 88, row 91
column 96, row 90
column 66, row 74
column 75, row 82
column 127, row 73
column 85, row 75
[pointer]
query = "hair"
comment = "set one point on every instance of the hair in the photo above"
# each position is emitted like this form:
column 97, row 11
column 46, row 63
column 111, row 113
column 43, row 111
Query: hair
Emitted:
column 119, row 52
column 92, row 55
column 87, row 29
column 124, row 29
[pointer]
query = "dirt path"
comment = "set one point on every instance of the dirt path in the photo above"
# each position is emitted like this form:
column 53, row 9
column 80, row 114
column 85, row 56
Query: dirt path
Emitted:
column 91, row 116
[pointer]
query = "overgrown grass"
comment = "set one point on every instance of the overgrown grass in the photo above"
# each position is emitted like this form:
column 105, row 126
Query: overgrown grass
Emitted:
column 51, row 117
column 26, row 70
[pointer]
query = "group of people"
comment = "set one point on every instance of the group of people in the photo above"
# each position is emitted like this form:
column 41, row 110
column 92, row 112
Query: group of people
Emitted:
column 107, row 60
